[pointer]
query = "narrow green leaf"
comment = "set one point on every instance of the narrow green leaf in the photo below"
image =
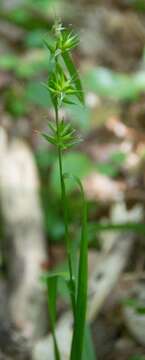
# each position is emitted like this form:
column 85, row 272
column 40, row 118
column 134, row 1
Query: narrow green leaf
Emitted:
column 81, row 293
column 140, row 310
column 137, row 357
column 49, row 46
column 65, row 128
column 81, row 298
column 51, row 274
column 130, row 302
column 75, row 163
column 52, row 287
column 69, row 102
column 52, row 127
column 50, row 139
column 75, row 76
column 135, row 227
column 68, row 136
column 89, row 351
column 52, row 295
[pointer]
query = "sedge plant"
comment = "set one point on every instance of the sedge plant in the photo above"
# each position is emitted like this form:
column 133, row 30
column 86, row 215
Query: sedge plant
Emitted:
column 64, row 86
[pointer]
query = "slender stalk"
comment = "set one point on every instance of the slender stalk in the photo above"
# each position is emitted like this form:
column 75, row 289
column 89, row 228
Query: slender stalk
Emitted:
column 52, row 292
column 56, row 350
column 65, row 211
column 63, row 83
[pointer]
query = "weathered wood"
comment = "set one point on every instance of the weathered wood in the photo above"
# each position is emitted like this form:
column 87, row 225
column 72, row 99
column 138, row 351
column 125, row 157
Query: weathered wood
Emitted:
column 24, row 244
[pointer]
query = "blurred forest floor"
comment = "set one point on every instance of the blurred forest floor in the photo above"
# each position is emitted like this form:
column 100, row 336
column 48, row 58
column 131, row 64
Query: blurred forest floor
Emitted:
column 110, row 160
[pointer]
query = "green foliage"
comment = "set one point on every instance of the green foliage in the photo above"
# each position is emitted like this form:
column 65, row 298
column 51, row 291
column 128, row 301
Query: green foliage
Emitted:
column 66, row 40
column 31, row 14
column 107, row 83
column 52, row 293
column 112, row 167
column 52, row 296
column 81, row 288
column 45, row 159
column 24, row 68
column 134, row 227
column 15, row 102
column 76, row 164
column 136, row 304
column 61, row 85
column 20, row 16
column 62, row 136
column 80, row 115
column 137, row 357
column 8, row 62
column 89, row 351
column 42, row 5
column 34, row 39
column 74, row 74
column 37, row 94
column 139, row 5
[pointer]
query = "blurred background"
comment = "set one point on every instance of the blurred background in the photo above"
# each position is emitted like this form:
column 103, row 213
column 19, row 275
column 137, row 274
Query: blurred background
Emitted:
column 110, row 162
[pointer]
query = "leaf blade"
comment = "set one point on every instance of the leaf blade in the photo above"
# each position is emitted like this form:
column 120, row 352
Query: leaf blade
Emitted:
column 75, row 76
column 52, row 295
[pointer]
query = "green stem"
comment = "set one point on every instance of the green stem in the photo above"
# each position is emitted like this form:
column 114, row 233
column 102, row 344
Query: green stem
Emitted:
column 56, row 350
column 65, row 211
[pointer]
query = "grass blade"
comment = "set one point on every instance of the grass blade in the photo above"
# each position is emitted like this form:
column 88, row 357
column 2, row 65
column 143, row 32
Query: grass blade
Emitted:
column 75, row 76
column 82, row 283
column 81, row 300
column 128, row 226
column 89, row 351
column 52, row 294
